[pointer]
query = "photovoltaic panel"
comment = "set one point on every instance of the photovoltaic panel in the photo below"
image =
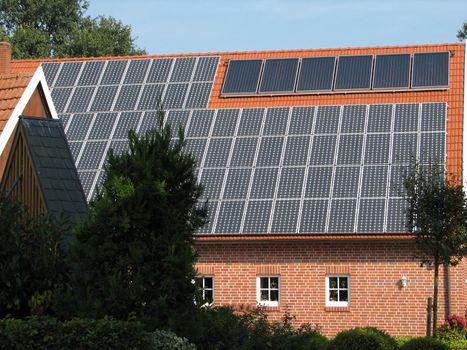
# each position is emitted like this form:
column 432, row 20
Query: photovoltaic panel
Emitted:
column 87, row 179
column 136, row 71
column 230, row 217
column 433, row 146
column 270, row 151
column 250, row 122
column 276, row 121
column 242, row 77
column 218, row 151
column 397, row 220
column 80, row 100
column 50, row 71
column 159, row 71
column 149, row 121
column 285, row 216
column 257, row 216
column 371, row 215
column 183, row 69
column 91, row 73
column 379, row 118
column 64, row 119
column 177, row 119
column 206, row 69
column 404, row 149
column 78, row 128
column 377, row 149
column 236, row 186
column 323, row 150
column 102, row 127
column 430, row 69
column 291, row 182
column 244, row 152
column 212, row 180
column 398, row 174
column 68, row 74
column 119, row 147
column 198, row 97
column 175, row 96
column 151, row 94
column 279, row 75
column 296, row 150
column 226, row 122
column 60, row 97
column 127, row 98
column 104, row 98
column 353, row 119
column 327, row 119
column 433, row 117
column 318, row 182
column 314, row 216
column 346, row 181
column 113, row 72
column 212, row 208
column 196, row 147
column 406, row 118
column 264, row 183
column 343, row 215
column 316, row 74
column 392, row 71
column 374, row 182
column 354, row 72
column 92, row 155
column 301, row 121
column 75, row 148
column 350, row 150
column 127, row 121
column 99, row 183
column 200, row 124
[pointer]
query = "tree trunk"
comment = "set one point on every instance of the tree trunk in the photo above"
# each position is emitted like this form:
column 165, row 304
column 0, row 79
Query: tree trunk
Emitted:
column 435, row 298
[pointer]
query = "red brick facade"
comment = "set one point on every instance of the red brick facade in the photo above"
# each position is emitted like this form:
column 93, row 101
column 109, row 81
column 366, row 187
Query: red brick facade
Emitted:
column 375, row 269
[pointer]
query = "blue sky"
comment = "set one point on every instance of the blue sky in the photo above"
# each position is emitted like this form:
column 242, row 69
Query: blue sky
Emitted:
column 181, row 26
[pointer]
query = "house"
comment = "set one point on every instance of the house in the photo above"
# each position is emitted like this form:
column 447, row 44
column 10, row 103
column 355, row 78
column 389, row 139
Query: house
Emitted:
column 302, row 155
column 36, row 165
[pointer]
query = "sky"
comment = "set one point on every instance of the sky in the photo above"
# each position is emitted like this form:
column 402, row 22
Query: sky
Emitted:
column 183, row 26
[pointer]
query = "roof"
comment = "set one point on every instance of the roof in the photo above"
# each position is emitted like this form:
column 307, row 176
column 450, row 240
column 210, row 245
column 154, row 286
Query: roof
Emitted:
column 12, row 87
column 56, row 171
column 272, row 164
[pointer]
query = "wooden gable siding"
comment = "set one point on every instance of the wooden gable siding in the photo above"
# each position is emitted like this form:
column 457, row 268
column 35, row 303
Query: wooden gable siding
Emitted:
column 20, row 177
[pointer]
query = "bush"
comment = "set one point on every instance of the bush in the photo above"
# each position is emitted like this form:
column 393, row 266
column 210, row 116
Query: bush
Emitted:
column 368, row 338
column 49, row 333
column 426, row 343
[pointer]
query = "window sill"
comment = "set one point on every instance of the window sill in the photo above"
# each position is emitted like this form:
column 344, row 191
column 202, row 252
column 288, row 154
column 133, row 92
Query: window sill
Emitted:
column 337, row 308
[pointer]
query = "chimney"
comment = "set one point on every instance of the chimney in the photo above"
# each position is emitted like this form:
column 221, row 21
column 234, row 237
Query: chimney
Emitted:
column 5, row 58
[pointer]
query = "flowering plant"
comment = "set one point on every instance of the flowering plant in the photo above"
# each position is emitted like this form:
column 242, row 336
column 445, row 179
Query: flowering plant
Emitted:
column 457, row 322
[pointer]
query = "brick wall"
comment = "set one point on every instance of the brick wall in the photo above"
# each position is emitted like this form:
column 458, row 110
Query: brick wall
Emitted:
column 374, row 267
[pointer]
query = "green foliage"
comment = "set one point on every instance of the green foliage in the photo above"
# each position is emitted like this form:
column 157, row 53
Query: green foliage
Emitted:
column 425, row 343
column 31, row 260
column 134, row 254
column 367, row 338
column 165, row 340
column 80, row 334
column 462, row 33
column 59, row 28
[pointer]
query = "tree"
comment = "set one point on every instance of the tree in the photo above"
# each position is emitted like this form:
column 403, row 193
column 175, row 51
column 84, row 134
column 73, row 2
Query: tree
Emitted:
column 57, row 28
column 31, row 260
column 133, row 254
column 462, row 33
column 437, row 215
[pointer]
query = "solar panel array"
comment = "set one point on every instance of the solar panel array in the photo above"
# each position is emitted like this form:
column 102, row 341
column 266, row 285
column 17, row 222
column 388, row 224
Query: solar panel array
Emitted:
column 426, row 70
column 326, row 169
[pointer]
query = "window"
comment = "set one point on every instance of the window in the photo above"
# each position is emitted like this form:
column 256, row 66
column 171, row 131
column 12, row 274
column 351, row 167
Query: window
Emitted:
column 267, row 291
column 337, row 291
column 206, row 284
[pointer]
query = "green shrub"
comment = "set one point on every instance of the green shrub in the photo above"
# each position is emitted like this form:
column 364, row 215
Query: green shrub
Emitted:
column 80, row 334
column 368, row 338
column 425, row 343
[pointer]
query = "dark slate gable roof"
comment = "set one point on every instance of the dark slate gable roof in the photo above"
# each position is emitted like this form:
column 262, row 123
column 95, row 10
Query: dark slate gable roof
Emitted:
column 55, row 169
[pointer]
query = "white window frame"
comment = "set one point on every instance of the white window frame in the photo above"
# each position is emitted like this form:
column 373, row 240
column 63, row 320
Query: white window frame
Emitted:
column 269, row 289
column 204, row 289
column 328, row 292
